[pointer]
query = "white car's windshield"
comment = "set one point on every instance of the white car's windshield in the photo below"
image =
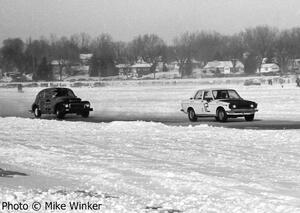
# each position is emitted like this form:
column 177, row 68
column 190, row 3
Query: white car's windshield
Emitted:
column 226, row 94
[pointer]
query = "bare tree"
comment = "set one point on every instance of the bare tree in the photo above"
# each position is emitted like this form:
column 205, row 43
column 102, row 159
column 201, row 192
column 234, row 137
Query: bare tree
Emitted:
column 260, row 41
column 13, row 54
column 150, row 47
column 103, row 60
column 184, row 51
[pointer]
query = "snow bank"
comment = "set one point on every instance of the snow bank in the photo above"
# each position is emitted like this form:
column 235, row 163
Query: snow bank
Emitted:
column 151, row 167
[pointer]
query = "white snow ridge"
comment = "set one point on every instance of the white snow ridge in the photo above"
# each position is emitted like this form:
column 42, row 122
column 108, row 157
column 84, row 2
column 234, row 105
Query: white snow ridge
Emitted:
column 151, row 167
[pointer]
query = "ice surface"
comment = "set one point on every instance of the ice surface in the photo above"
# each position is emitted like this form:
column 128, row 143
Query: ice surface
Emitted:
column 151, row 167
column 274, row 102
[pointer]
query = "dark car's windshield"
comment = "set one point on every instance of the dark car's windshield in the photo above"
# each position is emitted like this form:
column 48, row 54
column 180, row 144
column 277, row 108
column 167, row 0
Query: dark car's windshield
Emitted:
column 226, row 94
column 64, row 92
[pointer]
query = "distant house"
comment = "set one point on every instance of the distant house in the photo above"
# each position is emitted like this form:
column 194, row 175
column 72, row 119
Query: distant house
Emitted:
column 29, row 77
column 294, row 65
column 124, row 70
column 85, row 58
column 224, row 67
column 218, row 67
column 174, row 65
column 161, row 67
column 136, row 70
column 269, row 68
column 196, row 64
column 59, row 69
column 15, row 76
column 64, row 68
column 238, row 67
column 140, row 69
column 79, row 69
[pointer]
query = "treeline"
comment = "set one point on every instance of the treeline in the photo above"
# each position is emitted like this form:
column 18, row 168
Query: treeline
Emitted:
column 251, row 46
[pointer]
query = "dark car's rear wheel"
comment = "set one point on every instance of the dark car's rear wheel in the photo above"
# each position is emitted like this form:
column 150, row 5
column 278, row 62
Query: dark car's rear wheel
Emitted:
column 222, row 115
column 85, row 114
column 60, row 112
column 249, row 117
column 37, row 112
column 192, row 115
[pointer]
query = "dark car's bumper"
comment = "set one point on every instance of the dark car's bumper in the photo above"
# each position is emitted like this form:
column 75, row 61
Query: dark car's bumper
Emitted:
column 241, row 112
column 77, row 110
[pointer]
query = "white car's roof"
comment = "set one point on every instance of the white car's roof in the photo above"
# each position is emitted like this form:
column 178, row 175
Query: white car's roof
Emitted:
column 216, row 89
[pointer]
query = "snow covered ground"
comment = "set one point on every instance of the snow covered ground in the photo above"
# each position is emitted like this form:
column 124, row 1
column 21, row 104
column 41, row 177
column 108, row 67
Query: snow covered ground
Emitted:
column 151, row 167
column 140, row 166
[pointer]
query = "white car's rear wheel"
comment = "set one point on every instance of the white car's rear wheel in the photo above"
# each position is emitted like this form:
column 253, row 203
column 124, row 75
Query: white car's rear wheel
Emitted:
column 192, row 115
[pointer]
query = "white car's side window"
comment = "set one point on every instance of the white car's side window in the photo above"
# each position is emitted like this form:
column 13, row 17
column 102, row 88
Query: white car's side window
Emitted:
column 198, row 95
column 207, row 95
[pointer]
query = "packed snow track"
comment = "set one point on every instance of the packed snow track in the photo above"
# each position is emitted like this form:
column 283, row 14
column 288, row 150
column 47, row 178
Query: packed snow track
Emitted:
column 130, row 165
column 278, row 106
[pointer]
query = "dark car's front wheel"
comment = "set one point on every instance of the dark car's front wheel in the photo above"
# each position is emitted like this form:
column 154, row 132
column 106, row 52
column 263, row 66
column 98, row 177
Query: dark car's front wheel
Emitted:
column 37, row 112
column 249, row 117
column 60, row 112
column 85, row 114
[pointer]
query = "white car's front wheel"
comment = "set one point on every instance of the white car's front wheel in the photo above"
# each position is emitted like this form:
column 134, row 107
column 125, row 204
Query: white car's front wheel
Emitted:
column 249, row 117
column 222, row 115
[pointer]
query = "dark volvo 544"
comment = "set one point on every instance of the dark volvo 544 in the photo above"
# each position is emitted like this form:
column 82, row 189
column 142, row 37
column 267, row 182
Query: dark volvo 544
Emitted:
column 59, row 101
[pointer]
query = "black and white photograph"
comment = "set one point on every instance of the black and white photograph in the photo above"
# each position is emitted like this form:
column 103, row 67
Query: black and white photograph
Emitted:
column 150, row 106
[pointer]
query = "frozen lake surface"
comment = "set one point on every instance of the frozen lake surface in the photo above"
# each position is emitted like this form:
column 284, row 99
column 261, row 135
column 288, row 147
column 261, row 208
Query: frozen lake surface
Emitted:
column 274, row 102
column 151, row 167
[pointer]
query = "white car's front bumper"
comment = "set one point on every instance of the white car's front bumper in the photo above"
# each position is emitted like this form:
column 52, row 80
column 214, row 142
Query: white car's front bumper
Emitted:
column 241, row 112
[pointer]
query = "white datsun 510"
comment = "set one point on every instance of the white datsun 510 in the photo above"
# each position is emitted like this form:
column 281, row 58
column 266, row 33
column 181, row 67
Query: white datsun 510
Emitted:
column 218, row 103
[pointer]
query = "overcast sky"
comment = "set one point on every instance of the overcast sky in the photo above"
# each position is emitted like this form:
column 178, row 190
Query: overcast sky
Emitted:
column 125, row 19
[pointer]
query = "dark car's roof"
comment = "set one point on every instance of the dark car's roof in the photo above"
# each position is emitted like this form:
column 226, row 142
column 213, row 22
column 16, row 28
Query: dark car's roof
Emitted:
column 55, row 89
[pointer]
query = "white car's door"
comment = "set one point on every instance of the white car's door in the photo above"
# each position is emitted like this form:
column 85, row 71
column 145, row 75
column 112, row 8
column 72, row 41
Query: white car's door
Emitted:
column 208, row 103
column 197, row 103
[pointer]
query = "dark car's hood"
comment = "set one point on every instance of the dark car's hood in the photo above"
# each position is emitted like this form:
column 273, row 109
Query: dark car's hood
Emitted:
column 240, row 103
column 68, row 99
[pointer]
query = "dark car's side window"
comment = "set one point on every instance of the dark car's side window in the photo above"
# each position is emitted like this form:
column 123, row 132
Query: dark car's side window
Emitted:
column 49, row 94
column 41, row 94
column 71, row 93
